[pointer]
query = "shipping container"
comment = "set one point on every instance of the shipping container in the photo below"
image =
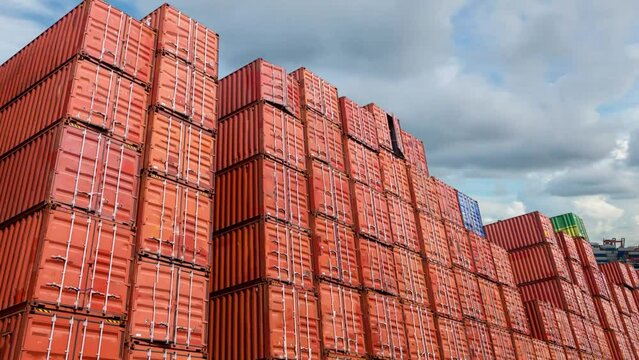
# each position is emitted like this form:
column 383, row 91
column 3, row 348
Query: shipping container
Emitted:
column 384, row 322
column 538, row 262
column 394, row 176
column 579, row 330
column 586, row 254
column 631, row 323
column 414, row 152
column 632, row 272
column 568, row 246
column 377, row 267
column 185, row 38
column 180, row 89
column 454, row 344
column 424, row 192
column 260, row 188
column 317, row 94
column 577, row 275
column 386, row 128
column 590, row 311
column 444, row 288
column 564, row 330
column 448, row 202
column 94, row 29
column 559, row 293
column 619, row 298
column 557, row 352
column 265, row 321
column 591, row 335
column 600, row 335
column 324, row 143
column 482, row 257
column 261, row 128
column 74, row 166
column 460, row 250
column 432, row 232
column 597, row 283
column 79, row 90
column 372, row 218
column 403, row 225
column 64, row 259
column 515, row 311
column 542, row 351
column 269, row 250
column 543, row 323
column 502, row 265
column 363, row 165
column 608, row 314
column 619, row 345
column 617, row 273
column 493, row 305
column 358, row 123
column 471, row 216
column 478, row 336
column 36, row 333
column 174, row 222
column 335, row 252
column 469, row 295
column 524, row 348
column 180, row 151
column 571, row 224
column 157, row 353
column 330, row 193
column 411, row 277
column 572, row 354
column 521, row 231
column 421, row 333
column 502, row 343
column 341, row 319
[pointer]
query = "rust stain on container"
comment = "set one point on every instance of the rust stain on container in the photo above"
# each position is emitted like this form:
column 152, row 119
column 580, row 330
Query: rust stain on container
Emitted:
column 336, row 255
column 421, row 332
column 324, row 140
column 341, row 319
column 384, row 321
column 372, row 213
column 317, row 94
column 358, row 123
column 363, row 165
column 330, row 193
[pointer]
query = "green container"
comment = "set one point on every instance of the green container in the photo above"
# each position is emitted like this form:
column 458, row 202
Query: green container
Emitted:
column 571, row 224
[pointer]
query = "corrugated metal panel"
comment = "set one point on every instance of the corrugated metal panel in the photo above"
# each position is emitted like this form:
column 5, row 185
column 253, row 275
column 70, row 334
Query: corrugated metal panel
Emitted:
column 157, row 353
column 324, row 143
column 572, row 354
column 317, row 94
column 460, row 249
column 384, row 321
column 394, row 175
column 424, row 192
column 493, row 305
column 600, row 335
column 185, row 38
column 538, row 262
column 579, row 330
column 454, row 344
column 568, row 245
column 482, row 257
column 261, row 129
column 577, row 275
column 608, row 314
column 434, row 240
column 542, row 352
column 421, row 333
column 335, row 254
column 479, row 345
column 524, row 348
column 283, row 323
column 559, row 293
column 543, row 322
column 403, row 226
column 586, row 255
column 502, row 265
column 620, row 345
column 591, row 335
column 414, row 152
column 330, row 193
column 566, row 336
column 521, row 231
column 377, row 266
column 469, row 294
column 502, row 343
column 617, row 273
column 381, row 124
column 471, row 216
column 341, row 319
column 619, row 298
column 261, row 188
column 632, row 272
column 363, row 165
column 571, row 224
column 79, row 90
column 268, row 249
column 448, row 202
column 444, row 288
column 358, row 123
column 597, row 282
column 514, row 308
column 411, row 278
column 372, row 213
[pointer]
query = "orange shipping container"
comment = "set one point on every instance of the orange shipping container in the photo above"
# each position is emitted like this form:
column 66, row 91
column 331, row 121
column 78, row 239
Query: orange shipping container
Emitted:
column 469, row 294
column 515, row 312
column 577, row 275
column 414, row 152
column 502, row 265
column 421, row 333
column 434, row 240
column 448, row 202
column 454, row 344
column 424, row 192
column 502, row 343
column 158, row 353
column 363, row 165
column 568, row 245
column 617, row 273
column 411, row 278
column 543, row 322
column 557, row 352
column 538, row 262
column 619, row 345
column 394, row 175
column 564, row 330
column 282, row 320
column 317, row 94
column 268, row 249
column 586, row 254
column 493, row 305
column 482, row 256
column 403, row 226
column 479, row 345
column 330, row 193
column 381, row 124
column 524, row 348
column 608, row 314
column 460, row 249
column 372, row 218
column 542, row 351
column 579, row 330
column 377, row 266
column 597, row 283
column 335, row 254
column 94, row 29
column 591, row 334
column 559, row 293
column 602, row 342
column 75, row 166
column 341, row 319
column 260, row 188
column 521, row 231
column 384, row 323
column 444, row 288
column 358, row 123
column 619, row 298
column 79, row 90
column 67, row 260
column 324, row 142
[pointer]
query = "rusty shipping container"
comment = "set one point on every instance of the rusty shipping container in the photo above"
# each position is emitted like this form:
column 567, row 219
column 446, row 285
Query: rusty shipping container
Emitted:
column 74, row 166
column 94, row 29
column 341, row 319
column 335, row 253
column 502, row 343
column 521, row 231
column 538, row 262
column 363, row 165
column 421, row 333
column 316, row 94
column 384, row 322
column 330, row 193
column 324, row 142
column 358, row 123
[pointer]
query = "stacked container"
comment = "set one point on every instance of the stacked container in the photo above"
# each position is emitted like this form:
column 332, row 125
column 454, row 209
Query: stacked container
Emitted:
column 72, row 119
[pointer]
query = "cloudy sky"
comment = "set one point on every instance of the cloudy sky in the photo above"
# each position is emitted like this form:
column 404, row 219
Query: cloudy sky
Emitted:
column 524, row 105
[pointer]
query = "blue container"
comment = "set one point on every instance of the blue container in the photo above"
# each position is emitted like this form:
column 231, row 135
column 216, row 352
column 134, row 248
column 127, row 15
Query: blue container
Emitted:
column 470, row 214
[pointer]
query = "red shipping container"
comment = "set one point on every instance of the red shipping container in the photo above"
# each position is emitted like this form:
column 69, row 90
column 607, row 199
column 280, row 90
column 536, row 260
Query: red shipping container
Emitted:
column 435, row 242
column 414, row 152
column 460, row 249
column 384, row 321
column 502, row 343
column 75, row 166
column 444, row 288
column 633, row 275
column 502, row 265
column 394, row 175
column 586, row 254
column 372, row 218
column 180, row 151
column 448, row 202
column 424, row 191
column 568, row 246
column 619, row 297
column 454, row 344
column 332, row 356
column 175, row 222
column 590, row 311
column 282, row 320
column 70, row 261
column 493, row 305
column 542, row 351
column 591, row 335
column 181, row 36
column 617, row 273
column 524, row 348
column 421, row 332
column 157, row 353
column 341, row 318
column 268, row 249
column 538, row 262
column 34, row 333
column 557, row 352
column 559, row 293
column 381, row 124
column 94, row 29
column 469, row 294
column 572, row 354
column 358, row 123
column 411, row 278
column 515, row 311
column 543, row 323
column 577, row 275
column 317, row 94
column 324, row 143
column 579, row 330
column 600, row 336
column 478, row 336
column 482, row 256
column 564, row 329
column 403, row 225
column 179, row 88
column 264, row 129
column 261, row 188
column 377, row 266
column 335, row 254
column 632, row 330
column 619, row 345
column 79, row 90
column 608, row 314
column 363, row 165
column 521, row 231
column 169, row 305
column 597, row 283
column 330, row 193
